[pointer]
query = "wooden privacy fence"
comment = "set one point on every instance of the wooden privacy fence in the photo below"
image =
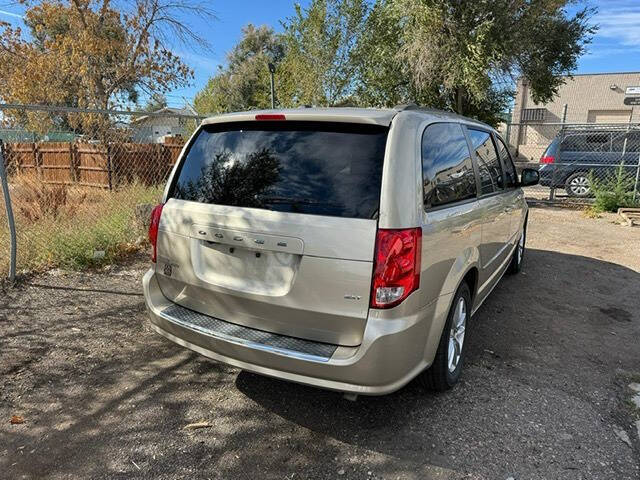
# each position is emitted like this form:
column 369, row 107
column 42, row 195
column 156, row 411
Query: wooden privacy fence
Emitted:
column 93, row 164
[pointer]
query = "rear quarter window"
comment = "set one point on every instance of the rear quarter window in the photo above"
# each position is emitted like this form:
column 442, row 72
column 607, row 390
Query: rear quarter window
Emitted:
column 586, row 142
column 447, row 169
column 317, row 168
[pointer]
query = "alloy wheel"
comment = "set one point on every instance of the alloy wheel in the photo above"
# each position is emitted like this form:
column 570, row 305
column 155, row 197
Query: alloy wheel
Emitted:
column 456, row 334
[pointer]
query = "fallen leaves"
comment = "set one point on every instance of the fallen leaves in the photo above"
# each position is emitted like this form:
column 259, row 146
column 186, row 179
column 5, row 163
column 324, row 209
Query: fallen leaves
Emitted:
column 16, row 420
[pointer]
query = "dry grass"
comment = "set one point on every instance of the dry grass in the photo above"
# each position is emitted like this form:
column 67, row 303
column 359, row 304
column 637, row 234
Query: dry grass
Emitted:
column 66, row 225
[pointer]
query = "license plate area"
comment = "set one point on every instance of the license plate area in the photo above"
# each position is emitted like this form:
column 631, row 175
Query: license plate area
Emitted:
column 248, row 270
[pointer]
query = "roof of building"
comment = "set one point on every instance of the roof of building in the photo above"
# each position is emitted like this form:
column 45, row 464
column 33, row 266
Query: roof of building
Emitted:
column 602, row 73
column 597, row 74
column 187, row 110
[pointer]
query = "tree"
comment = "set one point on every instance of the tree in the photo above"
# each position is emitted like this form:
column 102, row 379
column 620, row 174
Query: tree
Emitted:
column 464, row 56
column 455, row 55
column 244, row 83
column 156, row 101
column 321, row 40
column 313, row 56
column 90, row 53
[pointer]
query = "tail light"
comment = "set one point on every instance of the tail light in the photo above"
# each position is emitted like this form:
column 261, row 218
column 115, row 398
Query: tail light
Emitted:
column 156, row 213
column 396, row 269
column 548, row 159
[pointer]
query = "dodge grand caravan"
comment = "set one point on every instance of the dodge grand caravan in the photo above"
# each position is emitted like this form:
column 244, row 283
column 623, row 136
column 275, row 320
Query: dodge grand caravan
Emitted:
column 341, row 248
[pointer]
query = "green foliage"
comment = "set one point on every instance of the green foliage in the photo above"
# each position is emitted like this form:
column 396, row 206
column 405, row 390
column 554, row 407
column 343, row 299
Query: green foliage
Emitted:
column 463, row 56
column 244, row 84
column 614, row 191
column 457, row 56
column 320, row 66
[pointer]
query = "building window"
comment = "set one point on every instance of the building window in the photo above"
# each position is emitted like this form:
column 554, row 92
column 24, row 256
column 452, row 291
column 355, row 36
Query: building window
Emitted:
column 532, row 115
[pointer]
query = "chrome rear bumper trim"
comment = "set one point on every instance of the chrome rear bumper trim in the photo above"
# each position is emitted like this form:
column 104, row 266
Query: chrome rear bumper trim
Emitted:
column 248, row 337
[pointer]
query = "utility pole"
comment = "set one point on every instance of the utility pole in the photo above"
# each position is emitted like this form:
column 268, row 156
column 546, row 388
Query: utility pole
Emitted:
column 272, row 71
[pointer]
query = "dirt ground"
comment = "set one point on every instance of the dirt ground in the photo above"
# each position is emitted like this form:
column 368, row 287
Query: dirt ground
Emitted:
column 544, row 394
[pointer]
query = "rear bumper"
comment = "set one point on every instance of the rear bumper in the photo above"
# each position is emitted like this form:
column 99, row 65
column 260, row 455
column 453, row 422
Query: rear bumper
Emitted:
column 391, row 354
column 550, row 176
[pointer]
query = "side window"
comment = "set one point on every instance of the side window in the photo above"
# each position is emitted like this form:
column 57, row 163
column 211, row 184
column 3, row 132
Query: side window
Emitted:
column 491, row 179
column 447, row 169
column 571, row 143
column 510, row 177
column 598, row 142
column 633, row 142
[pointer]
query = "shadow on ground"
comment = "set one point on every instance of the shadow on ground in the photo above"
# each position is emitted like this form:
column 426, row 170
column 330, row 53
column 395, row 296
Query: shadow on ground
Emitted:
column 103, row 397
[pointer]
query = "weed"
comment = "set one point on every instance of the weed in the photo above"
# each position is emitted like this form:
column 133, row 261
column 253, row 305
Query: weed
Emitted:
column 64, row 226
column 613, row 191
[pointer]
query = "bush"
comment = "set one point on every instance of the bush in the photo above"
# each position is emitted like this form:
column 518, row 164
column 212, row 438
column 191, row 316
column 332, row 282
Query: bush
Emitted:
column 614, row 191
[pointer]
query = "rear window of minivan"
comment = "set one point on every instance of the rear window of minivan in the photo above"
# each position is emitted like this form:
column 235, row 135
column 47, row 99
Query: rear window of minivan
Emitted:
column 317, row 168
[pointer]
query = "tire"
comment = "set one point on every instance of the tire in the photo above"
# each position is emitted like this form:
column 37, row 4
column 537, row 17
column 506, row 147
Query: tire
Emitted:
column 440, row 376
column 518, row 254
column 578, row 185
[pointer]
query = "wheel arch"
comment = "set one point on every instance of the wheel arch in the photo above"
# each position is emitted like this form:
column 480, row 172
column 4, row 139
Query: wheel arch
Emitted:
column 471, row 279
column 443, row 306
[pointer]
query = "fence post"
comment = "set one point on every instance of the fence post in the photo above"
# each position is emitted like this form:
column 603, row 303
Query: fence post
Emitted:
column 10, row 219
column 635, row 186
column 72, row 163
column 552, row 189
column 109, row 167
column 37, row 161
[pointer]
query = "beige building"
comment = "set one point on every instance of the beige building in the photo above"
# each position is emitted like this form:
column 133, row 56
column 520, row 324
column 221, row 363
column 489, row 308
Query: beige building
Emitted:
column 596, row 98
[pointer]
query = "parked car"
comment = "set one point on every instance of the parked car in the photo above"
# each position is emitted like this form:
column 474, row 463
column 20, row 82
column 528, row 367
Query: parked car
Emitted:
column 574, row 157
column 341, row 248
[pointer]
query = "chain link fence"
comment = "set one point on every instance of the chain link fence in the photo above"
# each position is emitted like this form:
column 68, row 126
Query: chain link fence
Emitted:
column 576, row 160
column 81, row 181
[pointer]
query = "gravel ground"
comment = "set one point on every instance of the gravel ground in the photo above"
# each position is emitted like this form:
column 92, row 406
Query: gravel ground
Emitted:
column 544, row 395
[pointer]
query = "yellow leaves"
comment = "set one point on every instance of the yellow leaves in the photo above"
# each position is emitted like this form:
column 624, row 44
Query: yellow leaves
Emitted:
column 86, row 54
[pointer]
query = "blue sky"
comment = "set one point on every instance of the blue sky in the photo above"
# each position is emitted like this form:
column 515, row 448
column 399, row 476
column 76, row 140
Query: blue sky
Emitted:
column 615, row 48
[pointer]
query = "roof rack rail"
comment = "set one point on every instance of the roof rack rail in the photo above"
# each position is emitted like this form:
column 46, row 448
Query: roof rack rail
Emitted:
column 406, row 106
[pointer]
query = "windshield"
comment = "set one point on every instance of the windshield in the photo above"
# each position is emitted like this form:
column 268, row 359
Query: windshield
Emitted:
column 315, row 168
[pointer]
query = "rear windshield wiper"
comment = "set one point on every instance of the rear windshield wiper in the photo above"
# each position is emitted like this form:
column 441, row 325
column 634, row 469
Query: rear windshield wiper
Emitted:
column 295, row 201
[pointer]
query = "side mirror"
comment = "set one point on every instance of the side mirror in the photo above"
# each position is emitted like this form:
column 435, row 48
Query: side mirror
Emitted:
column 528, row 177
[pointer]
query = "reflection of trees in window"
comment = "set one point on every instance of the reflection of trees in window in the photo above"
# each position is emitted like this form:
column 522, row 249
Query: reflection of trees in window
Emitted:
column 228, row 181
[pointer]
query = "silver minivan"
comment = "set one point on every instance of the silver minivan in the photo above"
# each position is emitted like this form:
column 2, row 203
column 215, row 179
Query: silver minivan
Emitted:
column 342, row 248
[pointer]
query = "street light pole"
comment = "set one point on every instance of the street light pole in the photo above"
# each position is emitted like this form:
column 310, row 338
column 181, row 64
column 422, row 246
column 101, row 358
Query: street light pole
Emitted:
column 272, row 71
